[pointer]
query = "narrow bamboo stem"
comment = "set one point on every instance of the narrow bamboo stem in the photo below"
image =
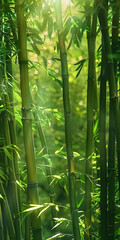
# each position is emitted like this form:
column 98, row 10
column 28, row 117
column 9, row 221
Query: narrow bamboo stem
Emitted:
column 91, row 106
column 67, row 114
column 12, row 187
column 111, row 152
column 7, row 212
column 4, row 119
column 48, row 164
column 1, row 224
column 103, row 159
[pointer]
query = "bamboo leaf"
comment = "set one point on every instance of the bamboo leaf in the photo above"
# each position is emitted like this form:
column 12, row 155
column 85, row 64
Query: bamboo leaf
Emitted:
column 44, row 209
column 1, row 197
column 44, row 61
column 2, row 174
column 52, row 74
column 55, row 59
column 7, row 153
column 21, row 184
column 66, row 28
column 50, row 26
column 34, row 207
column 79, row 68
column 35, row 48
column 58, row 235
column 81, row 201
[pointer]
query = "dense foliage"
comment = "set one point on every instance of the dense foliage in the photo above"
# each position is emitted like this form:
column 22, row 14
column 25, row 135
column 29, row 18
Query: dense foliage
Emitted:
column 59, row 119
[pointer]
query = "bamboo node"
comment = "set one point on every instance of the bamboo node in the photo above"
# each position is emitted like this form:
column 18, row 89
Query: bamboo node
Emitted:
column 24, row 61
column 24, row 113
column 24, row 109
column 26, row 119
column 75, row 211
column 19, row 4
column 65, row 76
column 104, row 28
column 68, row 114
column 31, row 185
column 52, row 194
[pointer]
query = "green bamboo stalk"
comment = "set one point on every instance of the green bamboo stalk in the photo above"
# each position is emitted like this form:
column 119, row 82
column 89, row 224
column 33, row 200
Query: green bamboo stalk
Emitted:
column 12, row 186
column 115, row 29
column 91, row 100
column 48, row 163
column 27, row 220
column 67, row 114
column 7, row 212
column 12, row 123
column 4, row 167
column 111, row 175
column 1, row 224
column 111, row 76
column 27, row 121
column 12, row 178
column 2, row 142
column 111, row 152
column 103, row 159
column 9, row 87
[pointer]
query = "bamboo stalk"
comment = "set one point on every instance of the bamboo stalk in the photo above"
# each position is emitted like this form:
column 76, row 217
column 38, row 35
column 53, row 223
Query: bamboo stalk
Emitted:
column 11, row 107
column 91, row 105
column 12, row 186
column 7, row 213
column 1, row 224
column 14, row 207
column 9, row 87
column 27, row 121
column 103, row 159
column 47, row 162
column 111, row 153
column 67, row 114
column 111, row 76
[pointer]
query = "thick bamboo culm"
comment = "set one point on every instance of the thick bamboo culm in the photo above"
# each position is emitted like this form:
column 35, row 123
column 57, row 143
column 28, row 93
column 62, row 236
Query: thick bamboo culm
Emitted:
column 27, row 121
column 67, row 114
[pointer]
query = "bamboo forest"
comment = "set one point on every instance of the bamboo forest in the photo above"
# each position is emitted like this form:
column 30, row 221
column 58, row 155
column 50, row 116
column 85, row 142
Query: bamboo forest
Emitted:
column 60, row 119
